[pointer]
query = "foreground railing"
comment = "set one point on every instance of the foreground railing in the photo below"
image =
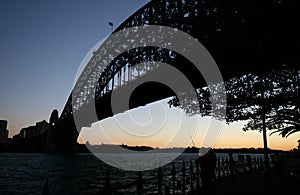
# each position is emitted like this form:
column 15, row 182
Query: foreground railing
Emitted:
column 180, row 177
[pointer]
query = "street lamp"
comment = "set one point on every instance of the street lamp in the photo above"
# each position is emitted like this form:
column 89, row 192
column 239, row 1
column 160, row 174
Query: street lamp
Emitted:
column 111, row 24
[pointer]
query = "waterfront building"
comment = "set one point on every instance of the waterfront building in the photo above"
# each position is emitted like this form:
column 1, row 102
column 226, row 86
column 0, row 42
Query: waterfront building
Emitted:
column 42, row 127
column 3, row 131
column 33, row 131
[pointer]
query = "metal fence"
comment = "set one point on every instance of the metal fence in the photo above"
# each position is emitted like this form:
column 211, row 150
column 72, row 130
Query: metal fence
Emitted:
column 181, row 177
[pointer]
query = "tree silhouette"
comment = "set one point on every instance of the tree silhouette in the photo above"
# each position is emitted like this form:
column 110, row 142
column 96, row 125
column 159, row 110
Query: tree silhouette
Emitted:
column 281, row 104
column 276, row 95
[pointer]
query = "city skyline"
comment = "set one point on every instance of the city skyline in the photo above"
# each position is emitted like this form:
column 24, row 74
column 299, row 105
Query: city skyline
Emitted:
column 43, row 46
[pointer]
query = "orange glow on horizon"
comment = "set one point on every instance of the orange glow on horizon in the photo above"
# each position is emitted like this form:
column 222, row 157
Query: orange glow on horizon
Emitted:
column 231, row 137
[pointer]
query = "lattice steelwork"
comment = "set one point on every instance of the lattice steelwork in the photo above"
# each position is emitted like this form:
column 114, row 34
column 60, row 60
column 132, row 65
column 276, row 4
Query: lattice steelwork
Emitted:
column 212, row 22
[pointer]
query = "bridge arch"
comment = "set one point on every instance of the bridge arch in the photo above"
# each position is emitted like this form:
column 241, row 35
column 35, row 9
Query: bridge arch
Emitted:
column 213, row 24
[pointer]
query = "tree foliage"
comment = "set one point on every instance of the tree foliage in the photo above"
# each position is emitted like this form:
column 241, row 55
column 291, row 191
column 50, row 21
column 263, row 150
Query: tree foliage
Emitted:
column 275, row 94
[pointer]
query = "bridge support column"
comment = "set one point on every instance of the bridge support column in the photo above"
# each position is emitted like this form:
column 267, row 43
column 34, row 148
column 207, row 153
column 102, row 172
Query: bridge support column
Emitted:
column 62, row 135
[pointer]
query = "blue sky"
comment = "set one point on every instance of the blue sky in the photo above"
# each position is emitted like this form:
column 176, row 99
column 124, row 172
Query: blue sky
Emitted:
column 42, row 43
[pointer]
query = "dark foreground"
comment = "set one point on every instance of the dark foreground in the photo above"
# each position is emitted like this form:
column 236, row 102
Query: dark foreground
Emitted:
column 254, row 183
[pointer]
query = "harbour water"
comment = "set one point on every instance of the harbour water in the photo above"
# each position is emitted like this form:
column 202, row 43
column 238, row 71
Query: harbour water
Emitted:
column 68, row 174
column 77, row 174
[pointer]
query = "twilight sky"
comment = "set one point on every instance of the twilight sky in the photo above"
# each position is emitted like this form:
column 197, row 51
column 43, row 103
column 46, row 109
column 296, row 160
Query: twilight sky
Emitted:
column 42, row 43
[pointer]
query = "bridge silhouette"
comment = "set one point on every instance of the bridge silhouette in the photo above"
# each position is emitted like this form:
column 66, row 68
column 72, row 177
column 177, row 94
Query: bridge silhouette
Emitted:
column 242, row 36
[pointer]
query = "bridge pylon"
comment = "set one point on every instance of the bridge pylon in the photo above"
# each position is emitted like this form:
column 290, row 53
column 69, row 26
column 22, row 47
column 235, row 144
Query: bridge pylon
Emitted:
column 61, row 138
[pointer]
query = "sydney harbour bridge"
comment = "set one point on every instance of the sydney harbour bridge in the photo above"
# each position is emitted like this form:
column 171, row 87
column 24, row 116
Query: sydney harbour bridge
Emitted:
column 242, row 36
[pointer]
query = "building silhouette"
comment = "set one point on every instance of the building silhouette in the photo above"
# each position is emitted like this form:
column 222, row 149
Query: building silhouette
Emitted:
column 32, row 138
column 33, row 131
column 3, row 131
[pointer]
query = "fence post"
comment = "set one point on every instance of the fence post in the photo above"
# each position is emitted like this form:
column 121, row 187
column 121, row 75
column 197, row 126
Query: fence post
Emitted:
column 183, row 177
column 254, row 163
column 167, row 190
column 219, row 167
column 173, row 176
column 139, row 183
column 159, row 179
column 191, row 175
column 227, row 166
column 197, row 174
column 260, row 164
column 223, row 167
column 46, row 188
column 107, row 187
